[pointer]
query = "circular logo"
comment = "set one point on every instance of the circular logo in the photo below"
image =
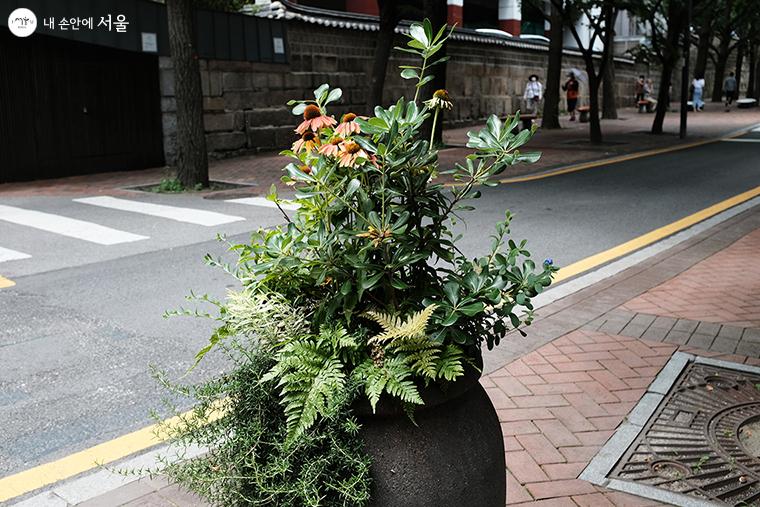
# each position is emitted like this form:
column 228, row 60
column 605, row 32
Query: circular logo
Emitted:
column 22, row 22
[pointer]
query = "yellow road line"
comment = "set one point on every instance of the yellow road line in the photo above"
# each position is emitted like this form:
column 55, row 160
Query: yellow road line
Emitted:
column 5, row 283
column 653, row 236
column 82, row 461
column 622, row 158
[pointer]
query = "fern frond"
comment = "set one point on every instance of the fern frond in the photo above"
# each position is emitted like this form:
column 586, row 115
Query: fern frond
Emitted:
column 451, row 363
column 393, row 327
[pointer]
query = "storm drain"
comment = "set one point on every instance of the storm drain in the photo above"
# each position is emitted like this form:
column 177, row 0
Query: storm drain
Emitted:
column 693, row 440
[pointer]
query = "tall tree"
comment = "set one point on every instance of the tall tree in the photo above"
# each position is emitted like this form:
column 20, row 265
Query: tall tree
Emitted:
column 553, row 70
column 609, row 93
column 731, row 21
column 192, row 158
column 666, row 20
column 594, row 13
column 389, row 18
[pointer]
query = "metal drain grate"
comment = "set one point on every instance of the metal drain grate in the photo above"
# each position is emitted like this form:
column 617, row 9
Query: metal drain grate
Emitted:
column 703, row 439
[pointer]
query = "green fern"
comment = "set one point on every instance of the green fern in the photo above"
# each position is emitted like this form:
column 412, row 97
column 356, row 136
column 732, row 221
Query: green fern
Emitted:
column 392, row 377
column 311, row 376
column 408, row 340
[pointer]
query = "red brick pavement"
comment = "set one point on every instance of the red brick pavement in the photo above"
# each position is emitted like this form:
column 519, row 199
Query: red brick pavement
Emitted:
column 559, row 404
column 724, row 288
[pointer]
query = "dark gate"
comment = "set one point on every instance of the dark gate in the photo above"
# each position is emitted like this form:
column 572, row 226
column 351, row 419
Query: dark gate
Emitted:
column 69, row 108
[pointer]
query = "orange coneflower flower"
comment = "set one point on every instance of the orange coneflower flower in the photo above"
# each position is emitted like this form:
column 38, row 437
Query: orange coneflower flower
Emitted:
column 331, row 148
column 309, row 141
column 349, row 152
column 440, row 100
column 314, row 119
column 347, row 125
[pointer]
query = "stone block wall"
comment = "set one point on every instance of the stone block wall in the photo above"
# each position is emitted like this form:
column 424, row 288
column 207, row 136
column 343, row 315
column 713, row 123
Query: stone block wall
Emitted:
column 245, row 103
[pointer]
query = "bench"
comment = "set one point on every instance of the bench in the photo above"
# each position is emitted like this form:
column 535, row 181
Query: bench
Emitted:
column 527, row 120
column 583, row 111
column 646, row 105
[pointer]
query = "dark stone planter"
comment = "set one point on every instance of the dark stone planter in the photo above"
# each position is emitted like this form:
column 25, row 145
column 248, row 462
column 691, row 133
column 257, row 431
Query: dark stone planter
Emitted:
column 454, row 457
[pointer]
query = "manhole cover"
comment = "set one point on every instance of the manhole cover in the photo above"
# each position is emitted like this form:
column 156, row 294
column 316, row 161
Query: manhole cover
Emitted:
column 703, row 440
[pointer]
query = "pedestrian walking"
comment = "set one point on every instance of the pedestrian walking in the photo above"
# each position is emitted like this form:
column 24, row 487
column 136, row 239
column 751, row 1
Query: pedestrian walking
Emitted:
column 729, row 89
column 698, row 84
column 534, row 92
column 571, row 88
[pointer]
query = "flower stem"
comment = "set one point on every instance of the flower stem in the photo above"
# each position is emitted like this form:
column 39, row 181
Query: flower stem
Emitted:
column 432, row 130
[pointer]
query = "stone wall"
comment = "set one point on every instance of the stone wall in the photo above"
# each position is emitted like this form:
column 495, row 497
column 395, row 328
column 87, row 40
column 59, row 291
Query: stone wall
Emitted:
column 244, row 102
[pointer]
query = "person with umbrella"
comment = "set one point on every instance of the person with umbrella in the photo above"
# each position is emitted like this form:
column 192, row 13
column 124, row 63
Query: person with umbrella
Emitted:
column 571, row 88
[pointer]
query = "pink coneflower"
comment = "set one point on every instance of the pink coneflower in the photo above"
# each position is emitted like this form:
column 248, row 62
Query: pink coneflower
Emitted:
column 314, row 119
column 331, row 148
column 309, row 141
column 347, row 125
column 349, row 152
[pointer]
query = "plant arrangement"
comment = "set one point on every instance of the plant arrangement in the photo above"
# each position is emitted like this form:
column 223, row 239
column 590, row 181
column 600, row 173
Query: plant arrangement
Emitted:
column 362, row 294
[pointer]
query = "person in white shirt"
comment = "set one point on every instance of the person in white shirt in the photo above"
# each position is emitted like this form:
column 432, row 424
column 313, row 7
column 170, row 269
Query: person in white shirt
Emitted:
column 699, row 85
column 534, row 91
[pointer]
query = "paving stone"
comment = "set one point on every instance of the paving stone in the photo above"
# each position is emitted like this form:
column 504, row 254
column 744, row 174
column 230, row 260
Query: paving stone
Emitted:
column 723, row 344
column 542, row 490
column 541, row 449
column 677, row 337
column 685, row 325
column 701, row 341
column 708, row 328
column 524, row 467
column 730, row 332
column 663, row 322
column 635, row 330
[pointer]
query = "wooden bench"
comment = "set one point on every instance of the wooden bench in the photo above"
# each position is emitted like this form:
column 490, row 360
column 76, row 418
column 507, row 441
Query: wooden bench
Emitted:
column 527, row 120
column 583, row 111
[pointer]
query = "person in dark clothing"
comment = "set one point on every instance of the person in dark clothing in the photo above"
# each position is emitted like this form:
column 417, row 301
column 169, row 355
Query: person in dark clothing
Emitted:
column 571, row 88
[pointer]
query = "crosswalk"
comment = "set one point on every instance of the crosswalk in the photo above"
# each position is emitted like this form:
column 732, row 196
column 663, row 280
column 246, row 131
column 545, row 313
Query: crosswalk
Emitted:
column 66, row 226
column 72, row 219
column 180, row 214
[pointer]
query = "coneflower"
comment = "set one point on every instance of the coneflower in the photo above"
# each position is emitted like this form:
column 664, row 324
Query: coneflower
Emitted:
column 347, row 125
column 314, row 119
column 349, row 152
column 331, row 148
column 308, row 142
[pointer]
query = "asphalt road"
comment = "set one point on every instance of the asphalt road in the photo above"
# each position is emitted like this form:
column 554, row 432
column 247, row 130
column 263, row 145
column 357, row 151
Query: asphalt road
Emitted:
column 83, row 323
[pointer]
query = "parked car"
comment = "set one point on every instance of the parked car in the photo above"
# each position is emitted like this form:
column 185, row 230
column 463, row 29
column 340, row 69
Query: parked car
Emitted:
column 494, row 31
column 532, row 36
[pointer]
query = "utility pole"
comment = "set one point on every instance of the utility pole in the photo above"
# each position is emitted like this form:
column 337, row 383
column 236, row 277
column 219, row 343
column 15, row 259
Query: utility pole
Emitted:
column 685, row 72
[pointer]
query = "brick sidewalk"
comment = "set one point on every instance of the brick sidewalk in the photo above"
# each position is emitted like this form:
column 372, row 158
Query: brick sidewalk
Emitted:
column 589, row 357
column 559, row 147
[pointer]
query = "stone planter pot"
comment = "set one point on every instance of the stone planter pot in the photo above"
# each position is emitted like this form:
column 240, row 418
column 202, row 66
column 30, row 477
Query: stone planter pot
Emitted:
column 454, row 457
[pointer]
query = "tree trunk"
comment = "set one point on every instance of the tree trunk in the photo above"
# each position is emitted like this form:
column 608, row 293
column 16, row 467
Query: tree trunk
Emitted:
column 720, row 69
column 675, row 18
column 609, row 95
column 739, row 64
column 595, row 130
column 192, row 158
column 752, row 80
column 703, row 50
column 388, row 21
column 553, row 71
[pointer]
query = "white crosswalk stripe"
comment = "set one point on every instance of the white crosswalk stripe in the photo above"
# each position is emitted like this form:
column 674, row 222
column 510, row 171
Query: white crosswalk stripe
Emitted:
column 188, row 215
column 265, row 203
column 65, row 226
column 6, row 254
